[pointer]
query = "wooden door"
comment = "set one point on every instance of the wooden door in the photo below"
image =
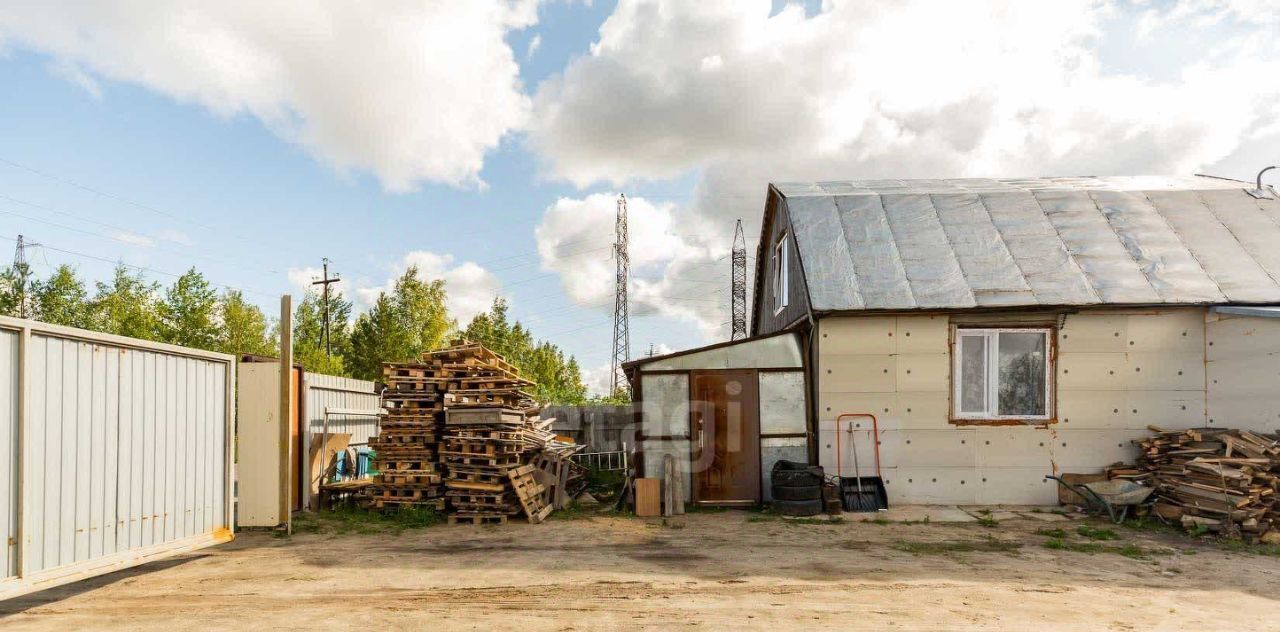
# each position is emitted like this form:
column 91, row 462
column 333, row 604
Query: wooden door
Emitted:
column 725, row 428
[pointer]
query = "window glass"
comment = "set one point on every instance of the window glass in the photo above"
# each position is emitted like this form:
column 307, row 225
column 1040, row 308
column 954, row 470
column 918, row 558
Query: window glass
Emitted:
column 973, row 374
column 1022, row 373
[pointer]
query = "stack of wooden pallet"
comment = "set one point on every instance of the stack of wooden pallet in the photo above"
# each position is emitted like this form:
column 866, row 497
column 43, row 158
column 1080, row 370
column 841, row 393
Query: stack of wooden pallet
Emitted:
column 481, row 447
column 463, row 412
column 1221, row 480
column 408, row 460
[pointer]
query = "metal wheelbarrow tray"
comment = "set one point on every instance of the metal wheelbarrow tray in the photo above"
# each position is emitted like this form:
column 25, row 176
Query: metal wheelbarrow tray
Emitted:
column 1115, row 497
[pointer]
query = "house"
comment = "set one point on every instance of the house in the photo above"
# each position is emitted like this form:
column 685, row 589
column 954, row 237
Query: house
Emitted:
column 1001, row 330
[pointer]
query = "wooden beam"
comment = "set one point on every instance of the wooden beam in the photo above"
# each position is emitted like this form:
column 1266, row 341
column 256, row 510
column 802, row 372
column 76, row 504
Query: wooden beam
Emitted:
column 286, row 409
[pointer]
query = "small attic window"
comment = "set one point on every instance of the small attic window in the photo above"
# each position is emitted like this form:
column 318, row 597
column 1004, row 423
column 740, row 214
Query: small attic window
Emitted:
column 780, row 274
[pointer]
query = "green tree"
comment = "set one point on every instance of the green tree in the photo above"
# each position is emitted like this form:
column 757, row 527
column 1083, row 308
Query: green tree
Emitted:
column 558, row 380
column 63, row 300
column 189, row 313
column 244, row 328
column 308, row 333
column 9, row 292
column 127, row 306
column 401, row 325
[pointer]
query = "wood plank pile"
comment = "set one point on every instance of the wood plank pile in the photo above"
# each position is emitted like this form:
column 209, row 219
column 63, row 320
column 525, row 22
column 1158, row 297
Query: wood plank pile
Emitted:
column 1222, row 480
column 482, row 451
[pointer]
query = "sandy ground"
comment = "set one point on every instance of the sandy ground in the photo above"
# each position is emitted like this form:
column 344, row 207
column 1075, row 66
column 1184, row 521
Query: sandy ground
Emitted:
column 701, row 571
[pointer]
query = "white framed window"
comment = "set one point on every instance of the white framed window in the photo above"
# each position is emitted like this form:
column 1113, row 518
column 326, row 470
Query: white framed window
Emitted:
column 780, row 274
column 1002, row 374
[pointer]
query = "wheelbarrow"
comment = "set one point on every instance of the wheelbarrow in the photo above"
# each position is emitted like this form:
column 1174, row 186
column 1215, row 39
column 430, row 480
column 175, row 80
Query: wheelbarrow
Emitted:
column 1114, row 497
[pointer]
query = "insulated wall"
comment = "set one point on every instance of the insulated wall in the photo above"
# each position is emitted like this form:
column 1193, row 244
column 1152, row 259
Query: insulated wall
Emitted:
column 1116, row 371
column 118, row 450
column 1243, row 360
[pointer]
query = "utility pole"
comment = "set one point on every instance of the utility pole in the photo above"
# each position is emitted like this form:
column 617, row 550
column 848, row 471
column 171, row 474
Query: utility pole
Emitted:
column 23, row 271
column 326, row 282
column 739, row 306
column 621, row 334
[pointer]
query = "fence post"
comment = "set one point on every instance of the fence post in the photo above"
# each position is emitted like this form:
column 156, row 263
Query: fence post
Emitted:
column 24, row 431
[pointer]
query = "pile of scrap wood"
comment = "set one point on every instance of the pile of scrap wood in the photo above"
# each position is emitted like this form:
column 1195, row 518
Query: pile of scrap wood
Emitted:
column 497, row 457
column 1221, row 480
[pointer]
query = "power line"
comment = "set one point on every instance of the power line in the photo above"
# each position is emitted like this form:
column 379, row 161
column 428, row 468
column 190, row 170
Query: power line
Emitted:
column 85, row 255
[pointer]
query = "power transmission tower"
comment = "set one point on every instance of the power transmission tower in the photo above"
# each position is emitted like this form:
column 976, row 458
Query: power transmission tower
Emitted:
column 326, row 282
column 739, row 284
column 621, row 334
column 22, row 270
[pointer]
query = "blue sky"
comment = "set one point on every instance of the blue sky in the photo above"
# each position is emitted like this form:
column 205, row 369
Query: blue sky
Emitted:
column 253, row 206
column 121, row 139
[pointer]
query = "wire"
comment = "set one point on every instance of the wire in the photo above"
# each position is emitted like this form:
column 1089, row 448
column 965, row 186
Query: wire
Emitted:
column 138, row 268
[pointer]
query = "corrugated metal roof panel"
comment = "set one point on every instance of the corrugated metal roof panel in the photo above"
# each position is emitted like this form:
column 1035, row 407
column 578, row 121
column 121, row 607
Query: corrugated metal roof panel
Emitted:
column 908, row 244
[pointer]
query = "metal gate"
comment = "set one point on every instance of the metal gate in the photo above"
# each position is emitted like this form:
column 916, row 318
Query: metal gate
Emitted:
column 116, row 451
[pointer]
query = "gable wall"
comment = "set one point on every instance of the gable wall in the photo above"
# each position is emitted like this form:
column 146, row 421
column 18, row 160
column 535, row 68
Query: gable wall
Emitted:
column 765, row 321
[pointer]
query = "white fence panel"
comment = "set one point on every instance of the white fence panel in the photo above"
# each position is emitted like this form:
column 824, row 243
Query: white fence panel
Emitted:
column 118, row 452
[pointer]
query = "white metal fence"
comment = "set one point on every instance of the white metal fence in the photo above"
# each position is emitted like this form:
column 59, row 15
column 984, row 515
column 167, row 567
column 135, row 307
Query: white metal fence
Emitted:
column 116, row 451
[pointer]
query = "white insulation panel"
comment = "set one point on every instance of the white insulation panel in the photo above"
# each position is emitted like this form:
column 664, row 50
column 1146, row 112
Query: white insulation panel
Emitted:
column 1117, row 372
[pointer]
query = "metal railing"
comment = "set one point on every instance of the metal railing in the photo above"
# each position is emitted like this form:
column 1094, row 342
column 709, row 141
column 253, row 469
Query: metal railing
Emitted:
column 608, row 461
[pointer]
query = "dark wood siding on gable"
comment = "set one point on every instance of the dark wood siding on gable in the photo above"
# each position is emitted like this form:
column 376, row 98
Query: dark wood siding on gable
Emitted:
column 766, row 321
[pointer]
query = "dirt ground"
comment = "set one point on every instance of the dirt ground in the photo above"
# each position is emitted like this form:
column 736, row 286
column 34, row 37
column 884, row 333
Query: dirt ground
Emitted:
column 701, row 571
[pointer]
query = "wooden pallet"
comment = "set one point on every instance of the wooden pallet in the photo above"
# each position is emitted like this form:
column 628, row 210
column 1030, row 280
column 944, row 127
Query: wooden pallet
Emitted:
column 505, row 460
column 530, row 493
column 477, row 518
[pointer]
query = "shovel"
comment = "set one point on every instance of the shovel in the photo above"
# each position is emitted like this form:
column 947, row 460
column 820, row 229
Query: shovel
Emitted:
column 858, row 499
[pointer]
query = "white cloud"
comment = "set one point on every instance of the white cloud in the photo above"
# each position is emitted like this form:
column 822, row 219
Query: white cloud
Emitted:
column 175, row 236
column 470, row 288
column 597, row 379
column 669, row 257
column 534, row 45
column 301, row 278
column 410, row 91
column 865, row 90
column 133, row 239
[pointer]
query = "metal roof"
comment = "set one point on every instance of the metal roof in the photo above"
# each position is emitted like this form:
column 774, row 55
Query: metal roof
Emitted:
column 931, row 244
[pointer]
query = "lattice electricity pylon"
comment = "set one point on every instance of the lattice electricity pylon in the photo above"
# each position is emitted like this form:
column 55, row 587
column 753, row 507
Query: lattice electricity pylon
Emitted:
column 22, row 270
column 739, row 284
column 621, row 333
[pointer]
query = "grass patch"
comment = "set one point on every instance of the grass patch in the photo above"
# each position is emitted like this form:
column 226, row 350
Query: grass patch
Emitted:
column 989, row 544
column 1240, row 546
column 1059, row 544
column 1132, row 551
column 823, row 521
column 1096, row 533
column 1056, row 533
column 575, row 511
column 987, row 521
column 346, row 520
